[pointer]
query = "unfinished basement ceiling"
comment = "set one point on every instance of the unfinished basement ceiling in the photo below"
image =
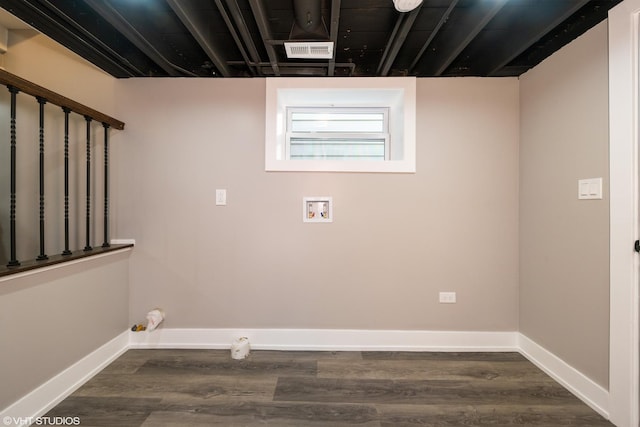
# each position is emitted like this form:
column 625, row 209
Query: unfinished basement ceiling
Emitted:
column 245, row 38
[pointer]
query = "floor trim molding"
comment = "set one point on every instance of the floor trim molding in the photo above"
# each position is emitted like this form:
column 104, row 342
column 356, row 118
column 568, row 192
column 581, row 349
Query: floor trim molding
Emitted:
column 49, row 394
column 328, row 339
column 573, row 380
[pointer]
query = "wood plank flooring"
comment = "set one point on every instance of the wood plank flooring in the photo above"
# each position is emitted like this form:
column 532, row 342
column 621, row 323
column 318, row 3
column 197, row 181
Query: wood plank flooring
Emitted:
column 166, row 388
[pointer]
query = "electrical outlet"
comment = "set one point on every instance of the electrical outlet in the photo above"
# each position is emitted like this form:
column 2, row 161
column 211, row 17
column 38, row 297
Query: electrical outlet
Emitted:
column 447, row 297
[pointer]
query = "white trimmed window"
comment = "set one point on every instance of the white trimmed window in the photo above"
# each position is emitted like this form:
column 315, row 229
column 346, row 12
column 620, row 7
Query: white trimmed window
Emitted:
column 340, row 124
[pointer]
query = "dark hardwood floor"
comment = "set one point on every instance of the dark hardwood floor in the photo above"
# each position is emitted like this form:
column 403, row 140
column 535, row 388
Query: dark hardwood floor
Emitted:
column 161, row 388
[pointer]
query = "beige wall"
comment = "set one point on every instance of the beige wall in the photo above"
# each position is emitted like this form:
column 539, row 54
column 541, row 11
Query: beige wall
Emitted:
column 51, row 319
column 397, row 239
column 33, row 56
column 564, row 250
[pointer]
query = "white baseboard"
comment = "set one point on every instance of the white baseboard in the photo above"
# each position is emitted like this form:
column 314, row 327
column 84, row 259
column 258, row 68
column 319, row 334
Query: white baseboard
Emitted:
column 52, row 392
column 327, row 339
column 573, row 380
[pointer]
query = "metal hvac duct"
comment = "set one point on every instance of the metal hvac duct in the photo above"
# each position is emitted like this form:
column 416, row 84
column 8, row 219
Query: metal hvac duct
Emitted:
column 308, row 23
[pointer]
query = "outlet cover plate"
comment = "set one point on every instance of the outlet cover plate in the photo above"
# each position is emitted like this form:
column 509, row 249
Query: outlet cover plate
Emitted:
column 447, row 297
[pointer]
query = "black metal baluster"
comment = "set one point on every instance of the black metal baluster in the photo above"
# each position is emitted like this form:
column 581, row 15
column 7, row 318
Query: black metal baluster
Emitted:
column 88, row 223
column 67, row 111
column 13, row 262
column 42, row 256
column 106, row 244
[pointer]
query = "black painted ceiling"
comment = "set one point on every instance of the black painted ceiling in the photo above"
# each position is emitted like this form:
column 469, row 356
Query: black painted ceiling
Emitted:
column 238, row 38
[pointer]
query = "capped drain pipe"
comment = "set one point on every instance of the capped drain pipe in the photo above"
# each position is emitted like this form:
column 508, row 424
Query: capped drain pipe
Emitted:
column 240, row 348
column 154, row 318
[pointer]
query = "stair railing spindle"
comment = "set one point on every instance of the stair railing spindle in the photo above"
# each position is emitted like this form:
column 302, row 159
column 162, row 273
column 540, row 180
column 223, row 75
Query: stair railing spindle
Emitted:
column 88, row 216
column 42, row 256
column 106, row 244
column 13, row 262
column 67, row 111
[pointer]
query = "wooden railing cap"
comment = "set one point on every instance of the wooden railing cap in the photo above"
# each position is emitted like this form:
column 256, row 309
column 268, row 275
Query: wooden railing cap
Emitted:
column 33, row 89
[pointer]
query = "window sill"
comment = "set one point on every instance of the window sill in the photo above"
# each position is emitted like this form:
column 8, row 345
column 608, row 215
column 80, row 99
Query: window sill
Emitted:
column 390, row 166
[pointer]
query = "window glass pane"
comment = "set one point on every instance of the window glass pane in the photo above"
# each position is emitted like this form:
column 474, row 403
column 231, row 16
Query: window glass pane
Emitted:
column 336, row 149
column 337, row 122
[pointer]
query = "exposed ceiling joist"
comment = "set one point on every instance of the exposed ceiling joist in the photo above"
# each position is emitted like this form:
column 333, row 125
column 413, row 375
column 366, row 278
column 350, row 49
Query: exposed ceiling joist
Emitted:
column 119, row 61
column 111, row 15
column 453, row 39
column 333, row 34
column 400, row 32
column 529, row 33
column 196, row 25
column 263, row 26
column 241, row 25
column 441, row 22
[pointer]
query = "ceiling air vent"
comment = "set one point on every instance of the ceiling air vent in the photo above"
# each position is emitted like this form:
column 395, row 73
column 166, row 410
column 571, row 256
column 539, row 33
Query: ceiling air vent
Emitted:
column 309, row 50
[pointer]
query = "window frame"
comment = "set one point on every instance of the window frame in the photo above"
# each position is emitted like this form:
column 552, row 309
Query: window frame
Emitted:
column 398, row 94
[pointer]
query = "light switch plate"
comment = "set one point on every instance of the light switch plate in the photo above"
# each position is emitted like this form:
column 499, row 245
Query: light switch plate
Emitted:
column 590, row 189
column 221, row 197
